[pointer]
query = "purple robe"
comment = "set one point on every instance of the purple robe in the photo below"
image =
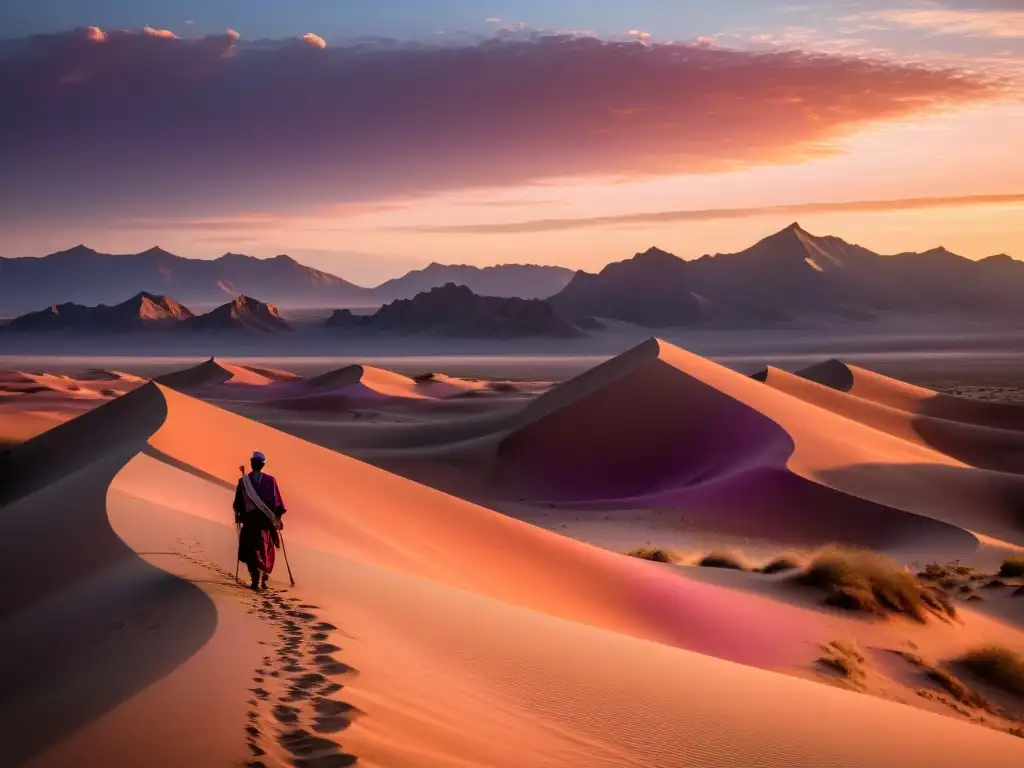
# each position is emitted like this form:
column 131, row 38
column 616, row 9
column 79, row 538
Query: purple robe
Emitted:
column 258, row 537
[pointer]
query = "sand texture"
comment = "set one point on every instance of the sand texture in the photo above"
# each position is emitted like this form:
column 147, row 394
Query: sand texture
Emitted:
column 426, row 629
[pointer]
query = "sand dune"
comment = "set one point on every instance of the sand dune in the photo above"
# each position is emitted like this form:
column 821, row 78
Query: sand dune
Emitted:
column 763, row 460
column 874, row 387
column 433, row 631
column 31, row 403
column 215, row 373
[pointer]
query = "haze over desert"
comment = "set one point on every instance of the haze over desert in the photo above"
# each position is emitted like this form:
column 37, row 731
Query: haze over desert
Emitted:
column 518, row 385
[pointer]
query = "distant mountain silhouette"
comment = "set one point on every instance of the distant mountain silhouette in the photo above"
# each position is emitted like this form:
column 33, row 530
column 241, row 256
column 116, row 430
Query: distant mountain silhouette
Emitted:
column 653, row 289
column 142, row 312
column 84, row 276
column 524, row 281
column 454, row 310
column 243, row 313
column 790, row 276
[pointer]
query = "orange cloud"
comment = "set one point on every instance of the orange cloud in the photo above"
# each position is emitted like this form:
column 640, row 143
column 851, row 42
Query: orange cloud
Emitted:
column 713, row 214
column 166, row 34
column 214, row 119
column 315, row 40
column 949, row 21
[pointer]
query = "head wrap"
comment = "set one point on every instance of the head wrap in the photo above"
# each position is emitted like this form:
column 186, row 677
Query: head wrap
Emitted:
column 258, row 456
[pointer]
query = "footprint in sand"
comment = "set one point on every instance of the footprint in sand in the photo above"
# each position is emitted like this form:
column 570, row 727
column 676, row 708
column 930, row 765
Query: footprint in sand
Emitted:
column 299, row 727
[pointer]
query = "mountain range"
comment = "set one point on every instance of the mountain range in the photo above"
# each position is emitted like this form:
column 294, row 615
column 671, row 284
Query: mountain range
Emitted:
column 83, row 276
column 523, row 281
column 146, row 312
column 790, row 276
column 455, row 310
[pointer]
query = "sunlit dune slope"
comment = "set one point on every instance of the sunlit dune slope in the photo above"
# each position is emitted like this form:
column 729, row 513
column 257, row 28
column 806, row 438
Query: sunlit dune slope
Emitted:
column 658, row 425
column 874, row 387
column 215, row 372
column 473, row 639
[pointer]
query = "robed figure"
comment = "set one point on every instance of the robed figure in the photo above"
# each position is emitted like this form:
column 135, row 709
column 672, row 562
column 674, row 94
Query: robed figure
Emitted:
column 260, row 519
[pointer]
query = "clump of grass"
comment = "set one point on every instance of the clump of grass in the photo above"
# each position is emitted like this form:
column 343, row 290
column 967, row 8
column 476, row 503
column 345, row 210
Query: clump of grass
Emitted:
column 723, row 559
column 933, row 572
column 951, row 685
column 1000, row 667
column 652, row 553
column 860, row 580
column 780, row 564
column 947, row 682
column 844, row 658
column 1012, row 568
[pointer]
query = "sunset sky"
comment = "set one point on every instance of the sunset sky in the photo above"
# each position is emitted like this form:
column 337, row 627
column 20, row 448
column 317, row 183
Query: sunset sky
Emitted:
column 368, row 137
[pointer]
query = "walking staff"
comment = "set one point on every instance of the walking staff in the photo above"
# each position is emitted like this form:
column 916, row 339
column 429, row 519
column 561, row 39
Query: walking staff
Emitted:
column 258, row 509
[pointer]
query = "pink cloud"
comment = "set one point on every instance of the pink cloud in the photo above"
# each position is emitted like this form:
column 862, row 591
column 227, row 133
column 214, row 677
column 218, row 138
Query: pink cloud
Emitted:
column 166, row 34
column 314, row 40
column 156, row 126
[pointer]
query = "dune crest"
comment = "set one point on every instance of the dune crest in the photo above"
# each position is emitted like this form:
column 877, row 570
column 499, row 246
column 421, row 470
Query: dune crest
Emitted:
column 459, row 627
column 660, row 426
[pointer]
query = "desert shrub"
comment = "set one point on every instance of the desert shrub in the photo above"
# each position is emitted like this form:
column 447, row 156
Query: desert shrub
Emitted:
column 998, row 666
column 951, row 685
column 995, row 584
column 1012, row 568
column 723, row 559
column 933, row 572
column 947, row 681
column 860, row 580
column 652, row 553
column 843, row 657
column 780, row 564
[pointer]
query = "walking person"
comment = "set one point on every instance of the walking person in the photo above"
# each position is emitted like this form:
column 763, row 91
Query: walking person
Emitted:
column 258, row 509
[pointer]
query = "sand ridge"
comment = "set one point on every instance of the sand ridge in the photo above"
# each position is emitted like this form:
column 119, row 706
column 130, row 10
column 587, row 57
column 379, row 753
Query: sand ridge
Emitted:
column 705, row 438
column 478, row 639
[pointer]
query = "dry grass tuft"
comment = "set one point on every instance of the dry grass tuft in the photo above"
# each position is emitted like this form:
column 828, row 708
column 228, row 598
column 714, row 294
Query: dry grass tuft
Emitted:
column 947, row 681
column 1001, row 667
column 951, row 685
column 859, row 580
column 782, row 563
column 1012, row 568
column 723, row 559
column 653, row 553
column 843, row 657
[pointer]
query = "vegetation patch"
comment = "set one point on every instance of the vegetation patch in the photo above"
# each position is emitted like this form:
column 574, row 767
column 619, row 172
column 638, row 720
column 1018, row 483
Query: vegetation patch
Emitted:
column 860, row 580
column 723, row 559
column 948, row 682
column 844, row 659
column 781, row 564
column 653, row 553
column 1012, row 568
column 998, row 666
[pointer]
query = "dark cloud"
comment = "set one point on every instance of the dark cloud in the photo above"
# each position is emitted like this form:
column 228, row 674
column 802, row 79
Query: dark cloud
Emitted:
column 152, row 125
column 713, row 214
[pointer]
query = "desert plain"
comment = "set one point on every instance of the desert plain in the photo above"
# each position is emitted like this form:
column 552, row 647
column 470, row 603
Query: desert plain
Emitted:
column 655, row 559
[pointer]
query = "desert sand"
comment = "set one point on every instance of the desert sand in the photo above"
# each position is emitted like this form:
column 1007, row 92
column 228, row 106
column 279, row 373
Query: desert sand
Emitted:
column 495, row 622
